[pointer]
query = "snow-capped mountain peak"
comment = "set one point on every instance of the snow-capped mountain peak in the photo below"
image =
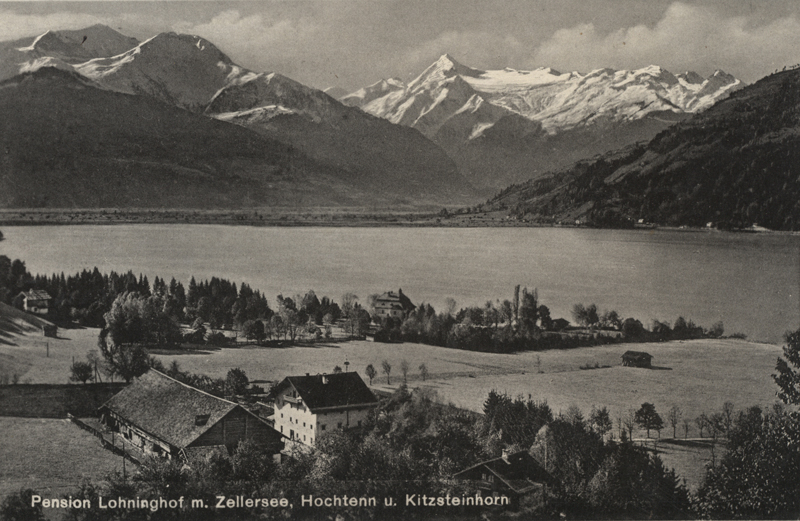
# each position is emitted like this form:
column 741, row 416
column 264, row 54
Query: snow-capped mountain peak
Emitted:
column 559, row 101
column 182, row 69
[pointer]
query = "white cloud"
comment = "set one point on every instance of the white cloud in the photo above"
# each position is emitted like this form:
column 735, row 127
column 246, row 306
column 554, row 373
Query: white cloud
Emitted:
column 686, row 37
column 258, row 41
column 14, row 25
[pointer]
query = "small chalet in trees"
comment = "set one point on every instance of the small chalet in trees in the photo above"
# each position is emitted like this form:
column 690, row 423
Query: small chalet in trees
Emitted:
column 36, row 301
column 511, row 475
column 161, row 415
column 636, row 359
column 307, row 407
column 392, row 304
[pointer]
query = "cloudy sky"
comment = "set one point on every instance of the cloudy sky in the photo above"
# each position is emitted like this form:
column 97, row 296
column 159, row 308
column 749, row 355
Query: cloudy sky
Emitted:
column 353, row 43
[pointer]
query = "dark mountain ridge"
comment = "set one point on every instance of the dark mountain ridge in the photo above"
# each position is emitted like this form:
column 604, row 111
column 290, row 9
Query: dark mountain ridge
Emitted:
column 93, row 135
column 67, row 143
column 733, row 166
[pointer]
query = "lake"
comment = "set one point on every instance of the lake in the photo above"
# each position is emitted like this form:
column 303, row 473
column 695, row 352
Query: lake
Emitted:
column 751, row 282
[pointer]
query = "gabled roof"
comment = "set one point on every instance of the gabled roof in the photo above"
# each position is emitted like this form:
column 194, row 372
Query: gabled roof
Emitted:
column 168, row 409
column 637, row 354
column 329, row 390
column 394, row 300
column 519, row 471
column 36, row 294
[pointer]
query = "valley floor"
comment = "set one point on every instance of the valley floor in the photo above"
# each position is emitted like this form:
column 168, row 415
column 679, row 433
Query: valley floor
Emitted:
column 697, row 376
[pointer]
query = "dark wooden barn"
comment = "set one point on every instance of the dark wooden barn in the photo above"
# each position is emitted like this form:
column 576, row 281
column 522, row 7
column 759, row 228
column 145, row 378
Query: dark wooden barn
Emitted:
column 160, row 415
column 636, row 359
column 512, row 475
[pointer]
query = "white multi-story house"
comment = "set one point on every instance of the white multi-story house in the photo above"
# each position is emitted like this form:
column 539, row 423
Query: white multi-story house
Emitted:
column 306, row 407
column 391, row 304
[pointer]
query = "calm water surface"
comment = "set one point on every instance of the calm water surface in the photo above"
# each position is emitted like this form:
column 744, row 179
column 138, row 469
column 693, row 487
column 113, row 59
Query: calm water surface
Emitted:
column 749, row 281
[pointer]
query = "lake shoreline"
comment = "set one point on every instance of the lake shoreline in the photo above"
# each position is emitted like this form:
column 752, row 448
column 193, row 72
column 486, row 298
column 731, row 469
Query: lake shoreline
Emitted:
column 329, row 218
column 649, row 274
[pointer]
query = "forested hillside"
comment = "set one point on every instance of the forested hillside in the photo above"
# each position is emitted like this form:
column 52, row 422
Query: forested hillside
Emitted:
column 735, row 165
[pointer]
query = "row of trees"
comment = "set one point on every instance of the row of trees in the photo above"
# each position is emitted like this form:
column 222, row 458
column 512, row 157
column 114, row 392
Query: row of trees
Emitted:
column 523, row 323
column 89, row 295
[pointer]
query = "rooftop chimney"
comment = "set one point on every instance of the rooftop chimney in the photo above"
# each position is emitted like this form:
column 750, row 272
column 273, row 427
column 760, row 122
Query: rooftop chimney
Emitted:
column 324, row 379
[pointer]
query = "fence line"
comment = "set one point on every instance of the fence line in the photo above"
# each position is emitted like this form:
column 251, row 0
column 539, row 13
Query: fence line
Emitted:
column 106, row 444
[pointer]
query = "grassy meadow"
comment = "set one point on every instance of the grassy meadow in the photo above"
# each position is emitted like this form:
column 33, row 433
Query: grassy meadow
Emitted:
column 51, row 456
column 698, row 376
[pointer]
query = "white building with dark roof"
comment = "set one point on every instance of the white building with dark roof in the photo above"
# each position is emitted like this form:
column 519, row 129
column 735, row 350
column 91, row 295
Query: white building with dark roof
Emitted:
column 36, row 301
column 395, row 305
column 307, row 407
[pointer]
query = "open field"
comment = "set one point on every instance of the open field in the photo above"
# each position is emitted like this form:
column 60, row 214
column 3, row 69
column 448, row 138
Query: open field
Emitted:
column 698, row 376
column 50, row 456
column 55, row 400
column 36, row 359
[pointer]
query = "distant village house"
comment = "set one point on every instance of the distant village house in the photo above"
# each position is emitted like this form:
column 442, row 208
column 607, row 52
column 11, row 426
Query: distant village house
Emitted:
column 636, row 359
column 395, row 305
column 160, row 415
column 512, row 475
column 36, row 301
column 307, row 407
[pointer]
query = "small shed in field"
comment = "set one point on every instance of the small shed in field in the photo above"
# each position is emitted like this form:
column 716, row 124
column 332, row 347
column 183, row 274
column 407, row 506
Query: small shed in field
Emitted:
column 50, row 330
column 636, row 359
column 161, row 415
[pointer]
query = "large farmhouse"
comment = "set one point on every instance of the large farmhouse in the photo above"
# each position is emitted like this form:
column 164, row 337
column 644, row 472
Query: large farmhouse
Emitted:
column 307, row 407
column 391, row 304
column 511, row 475
column 36, row 301
column 161, row 415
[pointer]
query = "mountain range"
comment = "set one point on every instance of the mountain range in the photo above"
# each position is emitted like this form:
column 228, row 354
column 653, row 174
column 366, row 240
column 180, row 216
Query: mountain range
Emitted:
column 95, row 119
column 322, row 152
column 506, row 126
column 733, row 166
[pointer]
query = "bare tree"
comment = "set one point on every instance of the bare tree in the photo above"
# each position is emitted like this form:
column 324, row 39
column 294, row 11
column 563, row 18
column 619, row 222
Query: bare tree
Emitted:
column 404, row 369
column 727, row 416
column 423, row 371
column 716, row 425
column 701, row 422
column 629, row 422
column 387, row 370
column 686, row 423
column 674, row 416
